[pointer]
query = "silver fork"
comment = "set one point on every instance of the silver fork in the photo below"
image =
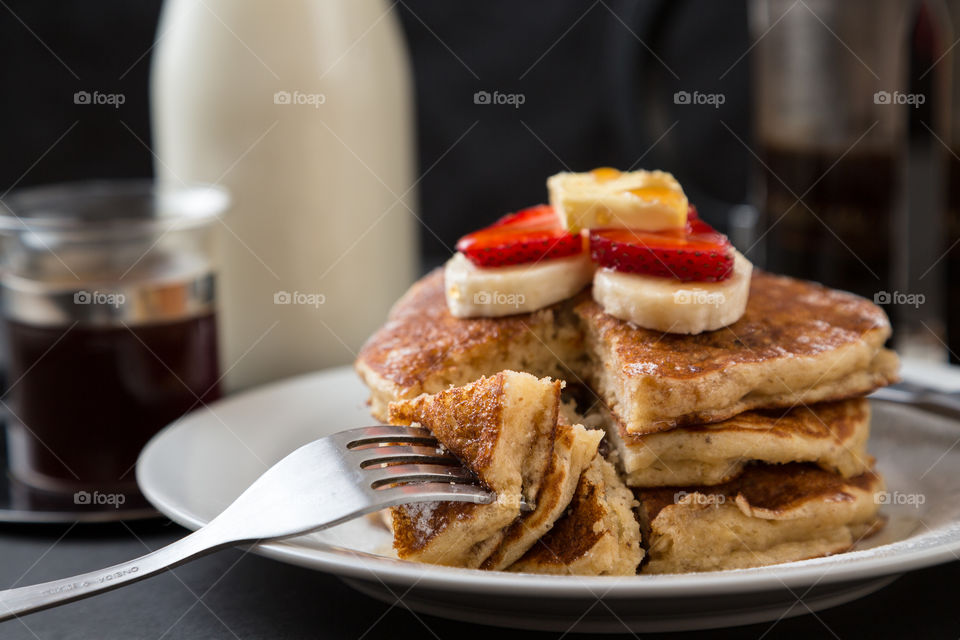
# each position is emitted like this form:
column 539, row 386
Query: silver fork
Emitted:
column 322, row 484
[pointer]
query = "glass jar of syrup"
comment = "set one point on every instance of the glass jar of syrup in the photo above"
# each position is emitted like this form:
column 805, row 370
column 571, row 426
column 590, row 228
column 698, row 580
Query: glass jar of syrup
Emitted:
column 107, row 292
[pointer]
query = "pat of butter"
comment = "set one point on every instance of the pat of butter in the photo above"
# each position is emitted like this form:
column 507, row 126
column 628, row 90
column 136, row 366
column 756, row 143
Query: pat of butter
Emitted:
column 641, row 200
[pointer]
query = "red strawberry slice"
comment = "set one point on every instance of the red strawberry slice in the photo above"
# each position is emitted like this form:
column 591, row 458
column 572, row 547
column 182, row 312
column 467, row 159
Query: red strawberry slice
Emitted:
column 697, row 253
column 529, row 235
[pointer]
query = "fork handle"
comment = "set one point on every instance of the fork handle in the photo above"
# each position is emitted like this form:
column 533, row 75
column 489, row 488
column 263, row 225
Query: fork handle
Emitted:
column 938, row 402
column 24, row 600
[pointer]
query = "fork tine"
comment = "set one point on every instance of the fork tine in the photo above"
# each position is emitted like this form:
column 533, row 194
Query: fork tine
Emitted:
column 401, row 473
column 400, row 454
column 385, row 434
column 433, row 492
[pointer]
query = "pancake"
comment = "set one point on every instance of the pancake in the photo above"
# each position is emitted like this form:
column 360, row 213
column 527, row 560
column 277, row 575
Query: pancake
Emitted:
column 599, row 535
column 574, row 448
column 505, row 429
column 424, row 349
column 767, row 515
column 797, row 343
column 831, row 434
column 502, row 429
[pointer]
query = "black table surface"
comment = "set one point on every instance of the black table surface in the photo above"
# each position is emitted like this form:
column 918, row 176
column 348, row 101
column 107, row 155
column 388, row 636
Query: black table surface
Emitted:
column 234, row 594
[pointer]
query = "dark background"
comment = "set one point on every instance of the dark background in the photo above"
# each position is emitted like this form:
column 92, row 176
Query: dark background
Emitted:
column 598, row 79
column 597, row 97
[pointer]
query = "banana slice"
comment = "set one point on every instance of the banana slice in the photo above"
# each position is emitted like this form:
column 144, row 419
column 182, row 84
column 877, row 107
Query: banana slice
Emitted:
column 672, row 306
column 474, row 291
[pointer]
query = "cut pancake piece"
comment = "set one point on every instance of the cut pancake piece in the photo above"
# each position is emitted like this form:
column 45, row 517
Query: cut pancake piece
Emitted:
column 598, row 535
column 424, row 349
column 505, row 429
column 502, row 429
column 831, row 434
column 573, row 450
column 767, row 515
column 797, row 343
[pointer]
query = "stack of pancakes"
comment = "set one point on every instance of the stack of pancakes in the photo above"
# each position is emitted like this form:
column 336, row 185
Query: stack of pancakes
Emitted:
column 745, row 446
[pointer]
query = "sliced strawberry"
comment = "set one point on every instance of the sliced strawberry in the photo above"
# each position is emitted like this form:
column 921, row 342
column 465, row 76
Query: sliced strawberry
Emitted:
column 528, row 235
column 697, row 253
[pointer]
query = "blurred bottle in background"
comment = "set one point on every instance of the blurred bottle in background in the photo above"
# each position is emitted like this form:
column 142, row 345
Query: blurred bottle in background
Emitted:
column 923, row 257
column 303, row 110
column 951, row 242
column 835, row 109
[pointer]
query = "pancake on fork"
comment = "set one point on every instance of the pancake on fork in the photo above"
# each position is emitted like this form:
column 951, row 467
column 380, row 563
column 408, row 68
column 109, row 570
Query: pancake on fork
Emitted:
column 831, row 434
column 505, row 429
column 573, row 450
column 767, row 515
column 798, row 342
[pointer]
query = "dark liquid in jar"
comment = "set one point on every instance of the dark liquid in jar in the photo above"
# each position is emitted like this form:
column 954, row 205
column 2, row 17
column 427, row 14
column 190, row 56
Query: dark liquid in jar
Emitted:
column 854, row 195
column 949, row 247
column 83, row 402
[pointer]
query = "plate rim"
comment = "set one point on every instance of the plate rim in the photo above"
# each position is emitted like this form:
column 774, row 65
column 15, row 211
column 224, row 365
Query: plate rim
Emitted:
column 846, row 567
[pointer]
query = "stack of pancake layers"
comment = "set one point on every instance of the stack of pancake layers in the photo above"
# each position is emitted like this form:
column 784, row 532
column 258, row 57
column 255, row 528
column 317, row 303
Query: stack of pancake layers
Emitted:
column 744, row 446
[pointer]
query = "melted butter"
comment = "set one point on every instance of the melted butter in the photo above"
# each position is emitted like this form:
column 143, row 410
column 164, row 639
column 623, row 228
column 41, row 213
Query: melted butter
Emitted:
column 605, row 174
column 664, row 195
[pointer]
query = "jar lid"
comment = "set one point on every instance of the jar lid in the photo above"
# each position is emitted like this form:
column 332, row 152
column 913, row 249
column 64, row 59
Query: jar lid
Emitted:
column 110, row 208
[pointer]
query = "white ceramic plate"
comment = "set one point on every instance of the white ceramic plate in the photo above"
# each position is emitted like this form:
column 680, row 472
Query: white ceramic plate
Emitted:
column 197, row 466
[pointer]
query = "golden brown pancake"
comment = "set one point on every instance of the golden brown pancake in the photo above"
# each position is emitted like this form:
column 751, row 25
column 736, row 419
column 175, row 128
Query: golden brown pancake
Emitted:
column 599, row 535
column 831, row 434
column 574, row 448
column 767, row 515
column 478, row 423
column 505, row 429
column 424, row 349
column 501, row 428
column 798, row 342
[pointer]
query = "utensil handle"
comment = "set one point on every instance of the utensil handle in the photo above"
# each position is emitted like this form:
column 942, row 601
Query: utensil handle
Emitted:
column 940, row 403
column 24, row 600
column 944, row 404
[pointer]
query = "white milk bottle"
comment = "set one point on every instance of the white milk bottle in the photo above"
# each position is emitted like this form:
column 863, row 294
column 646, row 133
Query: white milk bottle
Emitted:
column 302, row 109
